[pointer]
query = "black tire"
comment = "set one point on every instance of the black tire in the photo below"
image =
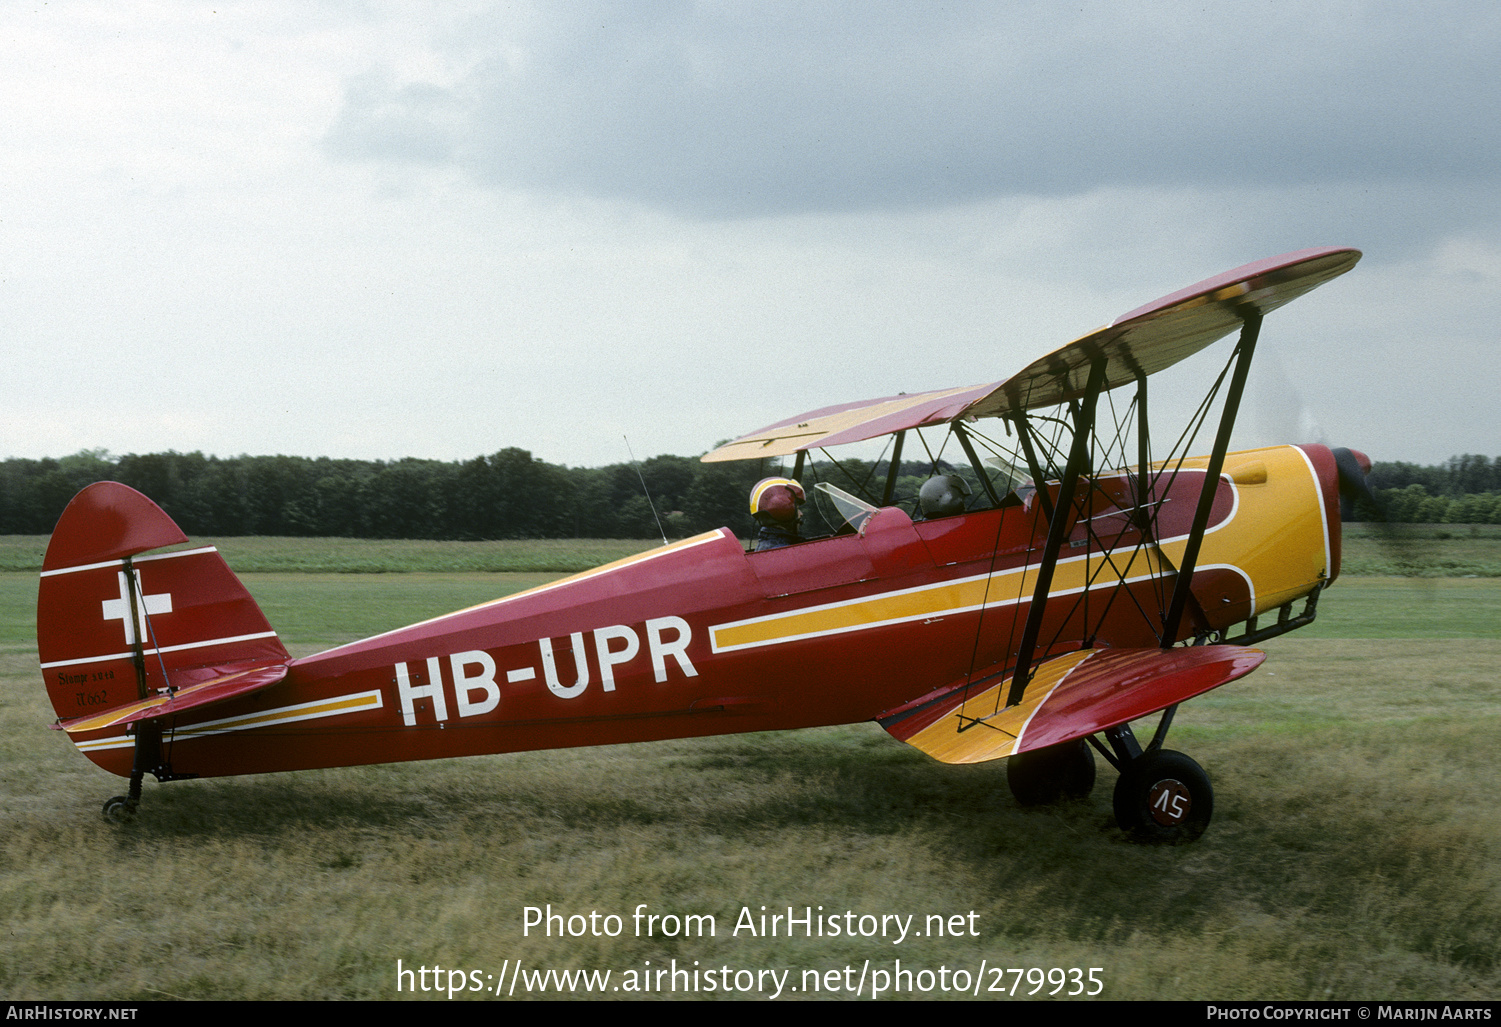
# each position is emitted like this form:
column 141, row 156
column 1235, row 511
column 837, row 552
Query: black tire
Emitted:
column 1045, row 777
column 1163, row 798
column 118, row 810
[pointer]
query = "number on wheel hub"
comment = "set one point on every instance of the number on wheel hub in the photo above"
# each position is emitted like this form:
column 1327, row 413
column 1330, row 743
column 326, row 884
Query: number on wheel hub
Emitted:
column 1163, row 798
column 1170, row 802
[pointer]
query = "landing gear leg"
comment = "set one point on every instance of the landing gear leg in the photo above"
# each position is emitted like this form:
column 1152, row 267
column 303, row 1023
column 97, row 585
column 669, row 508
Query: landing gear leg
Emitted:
column 148, row 758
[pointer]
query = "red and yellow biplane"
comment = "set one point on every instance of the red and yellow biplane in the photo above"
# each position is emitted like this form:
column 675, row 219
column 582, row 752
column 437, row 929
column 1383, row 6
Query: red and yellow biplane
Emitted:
column 1083, row 585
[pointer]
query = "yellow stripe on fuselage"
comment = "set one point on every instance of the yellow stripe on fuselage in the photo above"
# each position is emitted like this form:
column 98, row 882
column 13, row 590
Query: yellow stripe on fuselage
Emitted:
column 949, row 598
column 319, row 708
column 316, row 710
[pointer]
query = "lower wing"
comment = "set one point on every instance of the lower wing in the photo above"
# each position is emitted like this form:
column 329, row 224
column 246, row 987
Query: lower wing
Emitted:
column 1068, row 697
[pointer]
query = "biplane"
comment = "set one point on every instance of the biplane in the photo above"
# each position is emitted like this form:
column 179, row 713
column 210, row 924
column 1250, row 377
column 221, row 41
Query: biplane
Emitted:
column 1084, row 585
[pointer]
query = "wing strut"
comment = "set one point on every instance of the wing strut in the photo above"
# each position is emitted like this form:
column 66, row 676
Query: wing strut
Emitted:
column 974, row 461
column 1244, row 351
column 1024, row 433
column 1145, row 487
column 1077, row 456
column 893, row 469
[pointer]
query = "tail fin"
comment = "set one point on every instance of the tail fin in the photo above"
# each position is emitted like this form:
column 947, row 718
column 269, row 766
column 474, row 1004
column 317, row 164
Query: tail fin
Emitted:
column 124, row 637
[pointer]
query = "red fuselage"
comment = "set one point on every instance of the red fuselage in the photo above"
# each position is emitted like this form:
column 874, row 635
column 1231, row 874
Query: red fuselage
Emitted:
column 700, row 637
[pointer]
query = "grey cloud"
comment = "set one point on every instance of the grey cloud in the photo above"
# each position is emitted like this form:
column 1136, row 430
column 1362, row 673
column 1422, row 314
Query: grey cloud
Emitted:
column 731, row 109
column 404, row 124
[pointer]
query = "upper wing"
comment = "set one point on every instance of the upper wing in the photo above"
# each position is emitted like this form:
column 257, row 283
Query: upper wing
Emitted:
column 1068, row 697
column 1158, row 335
column 852, row 422
column 1142, row 342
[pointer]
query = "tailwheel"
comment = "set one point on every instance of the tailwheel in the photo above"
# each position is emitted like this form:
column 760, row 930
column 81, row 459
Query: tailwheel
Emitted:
column 119, row 809
column 122, row 808
column 1044, row 777
column 1163, row 798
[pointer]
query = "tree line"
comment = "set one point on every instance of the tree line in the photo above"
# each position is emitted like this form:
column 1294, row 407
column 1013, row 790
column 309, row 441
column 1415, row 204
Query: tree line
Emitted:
column 1462, row 490
column 512, row 494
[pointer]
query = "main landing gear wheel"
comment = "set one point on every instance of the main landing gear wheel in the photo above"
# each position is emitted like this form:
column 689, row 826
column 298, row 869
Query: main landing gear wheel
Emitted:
column 1044, row 777
column 1163, row 798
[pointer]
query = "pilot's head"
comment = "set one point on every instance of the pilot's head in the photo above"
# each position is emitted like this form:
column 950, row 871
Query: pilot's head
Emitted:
column 942, row 495
column 777, row 501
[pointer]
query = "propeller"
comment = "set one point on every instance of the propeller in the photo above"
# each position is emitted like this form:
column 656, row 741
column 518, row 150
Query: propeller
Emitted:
column 1279, row 409
column 1353, row 467
column 1407, row 556
column 1408, row 550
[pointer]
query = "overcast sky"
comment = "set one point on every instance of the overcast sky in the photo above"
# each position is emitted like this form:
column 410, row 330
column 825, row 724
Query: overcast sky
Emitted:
column 378, row 230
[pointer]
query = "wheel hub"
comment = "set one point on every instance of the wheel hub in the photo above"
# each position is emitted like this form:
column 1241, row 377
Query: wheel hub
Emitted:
column 1170, row 802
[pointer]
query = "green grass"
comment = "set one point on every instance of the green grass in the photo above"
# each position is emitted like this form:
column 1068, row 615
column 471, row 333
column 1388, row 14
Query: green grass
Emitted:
column 1350, row 857
column 1400, row 550
column 1422, row 550
column 1378, row 608
column 1354, row 851
column 310, row 611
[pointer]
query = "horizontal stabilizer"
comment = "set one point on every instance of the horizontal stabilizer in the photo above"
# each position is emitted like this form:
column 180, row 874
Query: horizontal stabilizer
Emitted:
column 204, row 693
column 1068, row 697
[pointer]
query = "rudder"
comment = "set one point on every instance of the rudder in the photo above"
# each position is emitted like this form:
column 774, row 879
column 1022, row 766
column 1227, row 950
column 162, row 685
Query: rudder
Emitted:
column 123, row 637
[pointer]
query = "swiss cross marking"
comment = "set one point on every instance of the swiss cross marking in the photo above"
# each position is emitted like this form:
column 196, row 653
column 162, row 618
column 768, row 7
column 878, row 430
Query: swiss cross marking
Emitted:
column 119, row 609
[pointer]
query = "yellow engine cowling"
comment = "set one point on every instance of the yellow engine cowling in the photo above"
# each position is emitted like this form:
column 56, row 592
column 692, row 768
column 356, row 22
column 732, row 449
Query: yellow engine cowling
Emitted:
column 1280, row 541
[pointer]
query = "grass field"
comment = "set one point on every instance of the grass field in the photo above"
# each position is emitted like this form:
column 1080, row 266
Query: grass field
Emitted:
column 1401, row 550
column 1354, row 851
column 1423, row 550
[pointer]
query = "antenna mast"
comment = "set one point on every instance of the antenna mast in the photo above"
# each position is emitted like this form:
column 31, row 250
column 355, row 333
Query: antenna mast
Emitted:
column 644, row 489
